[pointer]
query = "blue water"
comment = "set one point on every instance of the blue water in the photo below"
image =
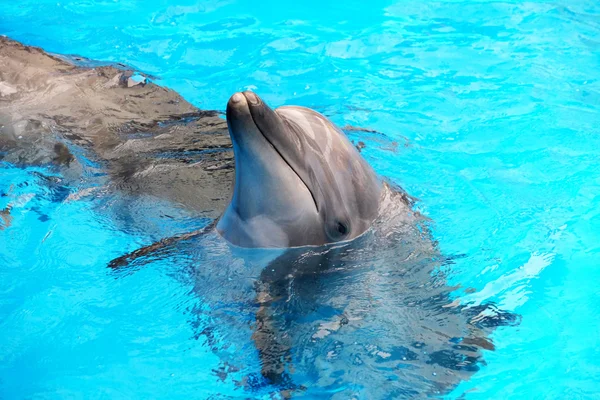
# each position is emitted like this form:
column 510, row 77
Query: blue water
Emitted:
column 491, row 112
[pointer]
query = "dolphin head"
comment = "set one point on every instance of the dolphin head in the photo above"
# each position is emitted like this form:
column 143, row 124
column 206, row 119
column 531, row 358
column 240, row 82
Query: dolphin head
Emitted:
column 298, row 179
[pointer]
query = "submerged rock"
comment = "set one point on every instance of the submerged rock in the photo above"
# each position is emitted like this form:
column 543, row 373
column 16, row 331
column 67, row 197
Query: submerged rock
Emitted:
column 151, row 140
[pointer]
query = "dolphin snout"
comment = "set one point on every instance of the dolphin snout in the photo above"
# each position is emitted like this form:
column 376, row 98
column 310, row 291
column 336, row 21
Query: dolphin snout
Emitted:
column 240, row 121
column 252, row 98
column 236, row 98
column 237, row 102
column 241, row 100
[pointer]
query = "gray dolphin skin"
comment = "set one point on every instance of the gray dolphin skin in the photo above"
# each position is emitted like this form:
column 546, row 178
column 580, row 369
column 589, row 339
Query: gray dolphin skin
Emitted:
column 298, row 179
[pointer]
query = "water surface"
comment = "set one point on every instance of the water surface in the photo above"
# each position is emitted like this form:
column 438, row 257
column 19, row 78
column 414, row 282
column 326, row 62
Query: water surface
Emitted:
column 490, row 112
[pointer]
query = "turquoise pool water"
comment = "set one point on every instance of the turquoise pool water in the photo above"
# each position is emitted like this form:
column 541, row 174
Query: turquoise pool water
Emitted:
column 492, row 111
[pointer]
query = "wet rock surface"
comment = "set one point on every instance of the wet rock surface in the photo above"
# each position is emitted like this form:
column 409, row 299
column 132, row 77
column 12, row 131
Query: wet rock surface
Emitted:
column 148, row 138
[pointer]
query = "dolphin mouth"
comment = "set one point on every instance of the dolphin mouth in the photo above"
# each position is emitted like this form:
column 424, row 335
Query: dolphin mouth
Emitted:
column 255, row 107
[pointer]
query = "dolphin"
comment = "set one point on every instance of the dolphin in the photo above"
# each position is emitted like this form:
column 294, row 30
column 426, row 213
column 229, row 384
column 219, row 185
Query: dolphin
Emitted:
column 354, row 304
column 354, row 257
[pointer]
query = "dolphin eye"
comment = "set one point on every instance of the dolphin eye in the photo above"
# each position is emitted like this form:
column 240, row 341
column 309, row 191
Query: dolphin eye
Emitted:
column 341, row 228
column 338, row 230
